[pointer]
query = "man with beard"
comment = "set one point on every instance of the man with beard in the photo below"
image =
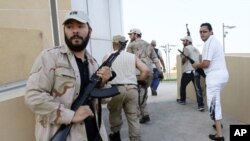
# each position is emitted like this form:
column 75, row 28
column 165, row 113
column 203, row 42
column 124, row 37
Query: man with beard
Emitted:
column 58, row 77
column 145, row 52
column 189, row 73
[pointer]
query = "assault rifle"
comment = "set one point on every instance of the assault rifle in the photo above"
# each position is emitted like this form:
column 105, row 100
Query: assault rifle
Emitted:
column 90, row 92
column 199, row 70
column 188, row 33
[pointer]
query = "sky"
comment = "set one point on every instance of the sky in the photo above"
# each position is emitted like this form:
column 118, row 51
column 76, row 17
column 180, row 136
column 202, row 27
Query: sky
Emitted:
column 165, row 21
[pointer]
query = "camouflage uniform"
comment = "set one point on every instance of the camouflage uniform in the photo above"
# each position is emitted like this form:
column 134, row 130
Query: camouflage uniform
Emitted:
column 145, row 52
column 53, row 85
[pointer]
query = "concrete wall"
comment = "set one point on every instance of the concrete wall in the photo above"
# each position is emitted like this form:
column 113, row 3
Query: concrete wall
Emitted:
column 19, row 48
column 16, row 120
column 27, row 14
column 235, row 96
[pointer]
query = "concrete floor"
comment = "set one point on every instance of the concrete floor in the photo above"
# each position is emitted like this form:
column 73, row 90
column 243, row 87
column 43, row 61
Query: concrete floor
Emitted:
column 173, row 122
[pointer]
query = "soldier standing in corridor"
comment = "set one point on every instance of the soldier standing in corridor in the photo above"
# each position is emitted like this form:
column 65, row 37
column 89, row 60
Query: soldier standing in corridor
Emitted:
column 125, row 67
column 145, row 52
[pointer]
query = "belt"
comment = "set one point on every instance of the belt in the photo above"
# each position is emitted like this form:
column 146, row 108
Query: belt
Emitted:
column 188, row 72
column 122, row 84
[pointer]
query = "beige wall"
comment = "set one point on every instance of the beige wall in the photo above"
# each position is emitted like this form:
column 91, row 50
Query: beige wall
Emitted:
column 30, row 14
column 25, row 30
column 27, row 14
column 16, row 121
column 19, row 48
column 235, row 96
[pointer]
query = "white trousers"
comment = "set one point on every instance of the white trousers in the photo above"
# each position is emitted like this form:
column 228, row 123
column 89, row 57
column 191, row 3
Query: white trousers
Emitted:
column 214, row 90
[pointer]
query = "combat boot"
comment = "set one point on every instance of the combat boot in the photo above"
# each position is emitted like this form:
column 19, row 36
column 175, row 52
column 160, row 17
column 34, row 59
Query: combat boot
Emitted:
column 115, row 136
column 145, row 119
column 154, row 92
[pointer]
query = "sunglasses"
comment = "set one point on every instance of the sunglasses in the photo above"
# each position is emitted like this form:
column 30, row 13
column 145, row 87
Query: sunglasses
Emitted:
column 204, row 31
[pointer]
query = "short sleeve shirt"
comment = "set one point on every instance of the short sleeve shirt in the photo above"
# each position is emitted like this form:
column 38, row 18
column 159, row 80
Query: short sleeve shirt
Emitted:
column 213, row 51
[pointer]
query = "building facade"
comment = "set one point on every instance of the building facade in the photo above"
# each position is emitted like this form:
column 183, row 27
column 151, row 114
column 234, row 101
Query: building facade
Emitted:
column 45, row 17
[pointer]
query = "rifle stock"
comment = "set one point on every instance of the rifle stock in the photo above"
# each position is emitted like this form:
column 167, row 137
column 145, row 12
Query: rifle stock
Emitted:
column 199, row 70
column 91, row 91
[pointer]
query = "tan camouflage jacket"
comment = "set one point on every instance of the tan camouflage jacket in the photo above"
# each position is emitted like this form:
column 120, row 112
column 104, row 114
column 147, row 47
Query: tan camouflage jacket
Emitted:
column 143, row 51
column 53, row 85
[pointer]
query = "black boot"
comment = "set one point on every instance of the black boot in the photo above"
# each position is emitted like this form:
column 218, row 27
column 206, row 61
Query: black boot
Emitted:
column 213, row 137
column 115, row 136
column 145, row 119
column 154, row 92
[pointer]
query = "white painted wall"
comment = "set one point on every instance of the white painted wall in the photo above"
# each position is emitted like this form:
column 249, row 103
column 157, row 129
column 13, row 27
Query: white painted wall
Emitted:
column 106, row 21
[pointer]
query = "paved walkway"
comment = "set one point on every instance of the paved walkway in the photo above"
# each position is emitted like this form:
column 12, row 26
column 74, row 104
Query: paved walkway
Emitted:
column 173, row 122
